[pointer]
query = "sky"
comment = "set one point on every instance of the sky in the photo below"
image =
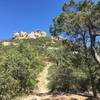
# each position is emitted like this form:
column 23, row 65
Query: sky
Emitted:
column 27, row 15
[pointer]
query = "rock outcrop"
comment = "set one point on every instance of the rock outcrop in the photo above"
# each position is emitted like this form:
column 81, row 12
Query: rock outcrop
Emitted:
column 25, row 35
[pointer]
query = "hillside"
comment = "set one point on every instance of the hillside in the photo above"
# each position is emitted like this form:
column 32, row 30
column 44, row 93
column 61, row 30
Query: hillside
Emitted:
column 33, row 69
column 34, row 50
column 63, row 64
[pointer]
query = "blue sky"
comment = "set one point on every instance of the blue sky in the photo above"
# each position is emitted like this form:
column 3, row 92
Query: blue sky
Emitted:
column 27, row 15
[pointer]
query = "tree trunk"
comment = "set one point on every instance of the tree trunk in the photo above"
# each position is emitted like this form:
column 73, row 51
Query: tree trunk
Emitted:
column 92, row 79
column 93, row 88
column 93, row 51
column 89, row 67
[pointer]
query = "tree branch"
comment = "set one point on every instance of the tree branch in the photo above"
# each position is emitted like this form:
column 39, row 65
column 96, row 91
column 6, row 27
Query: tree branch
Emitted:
column 96, row 56
column 93, row 50
column 97, row 34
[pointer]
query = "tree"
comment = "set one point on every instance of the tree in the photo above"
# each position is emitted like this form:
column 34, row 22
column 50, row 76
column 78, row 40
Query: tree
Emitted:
column 80, row 19
column 81, row 22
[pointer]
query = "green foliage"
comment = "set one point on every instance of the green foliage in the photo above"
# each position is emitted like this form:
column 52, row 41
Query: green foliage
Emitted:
column 63, row 74
column 82, row 26
column 19, row 67
column 70, row 73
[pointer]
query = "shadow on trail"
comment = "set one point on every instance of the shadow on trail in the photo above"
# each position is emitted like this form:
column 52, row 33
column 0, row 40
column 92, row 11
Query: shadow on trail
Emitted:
column 88, row 96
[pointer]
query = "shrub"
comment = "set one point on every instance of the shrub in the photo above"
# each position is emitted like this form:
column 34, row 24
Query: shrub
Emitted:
column 19, row 68
column 68, row 74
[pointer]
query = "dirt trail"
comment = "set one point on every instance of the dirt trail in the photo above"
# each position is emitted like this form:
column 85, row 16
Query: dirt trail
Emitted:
column 42, row 91
column 56, row 97
column 43, row 81
column 42, row 84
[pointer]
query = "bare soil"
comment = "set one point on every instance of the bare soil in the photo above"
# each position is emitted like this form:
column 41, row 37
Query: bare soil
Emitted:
column 54, row 97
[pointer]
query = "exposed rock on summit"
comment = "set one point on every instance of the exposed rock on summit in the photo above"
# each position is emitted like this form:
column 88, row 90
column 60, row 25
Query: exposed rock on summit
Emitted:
column 26, row 35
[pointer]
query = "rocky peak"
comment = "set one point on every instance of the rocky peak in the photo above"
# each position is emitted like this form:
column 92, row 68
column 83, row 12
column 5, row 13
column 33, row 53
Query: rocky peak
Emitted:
column 26, row 35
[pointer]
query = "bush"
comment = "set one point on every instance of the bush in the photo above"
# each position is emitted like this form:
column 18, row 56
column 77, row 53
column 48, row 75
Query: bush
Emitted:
column 19, row 67
column 68, row 74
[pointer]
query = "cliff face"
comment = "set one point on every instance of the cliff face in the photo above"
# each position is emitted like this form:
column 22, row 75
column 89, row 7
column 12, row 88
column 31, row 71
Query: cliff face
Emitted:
column 25, row 35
